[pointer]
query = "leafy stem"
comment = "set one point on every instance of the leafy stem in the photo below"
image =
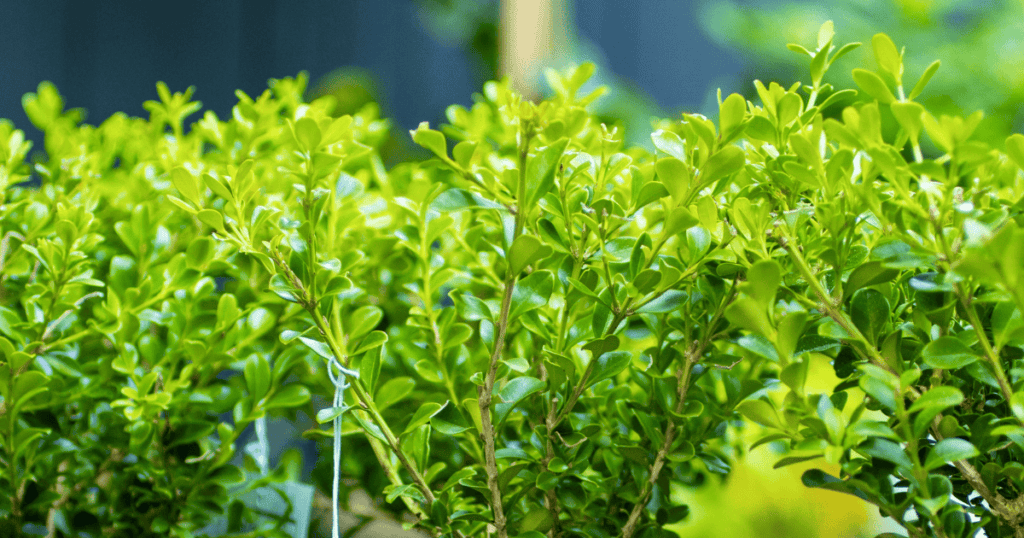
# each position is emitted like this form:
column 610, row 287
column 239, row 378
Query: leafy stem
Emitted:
column 832, row 310
column 582, row 385
column 486, row 392
column 972, row 317
column 366, row 402
column 683, row 374
column 919, row 471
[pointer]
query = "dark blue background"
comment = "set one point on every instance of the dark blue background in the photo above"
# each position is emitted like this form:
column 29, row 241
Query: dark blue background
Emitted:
column 106, row 56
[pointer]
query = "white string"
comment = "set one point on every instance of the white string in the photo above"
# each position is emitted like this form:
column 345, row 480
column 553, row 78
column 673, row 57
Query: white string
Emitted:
column 340, row 381
column 262, row 451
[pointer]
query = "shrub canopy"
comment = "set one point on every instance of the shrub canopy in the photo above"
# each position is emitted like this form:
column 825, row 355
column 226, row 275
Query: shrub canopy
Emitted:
column 543, row 331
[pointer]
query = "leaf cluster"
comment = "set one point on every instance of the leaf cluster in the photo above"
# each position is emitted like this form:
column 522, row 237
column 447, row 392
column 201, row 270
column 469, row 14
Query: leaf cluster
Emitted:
column 549, row 331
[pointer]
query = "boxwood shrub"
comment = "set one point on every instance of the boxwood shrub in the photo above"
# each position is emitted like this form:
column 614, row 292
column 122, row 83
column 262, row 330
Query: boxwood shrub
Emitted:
column 537, row 330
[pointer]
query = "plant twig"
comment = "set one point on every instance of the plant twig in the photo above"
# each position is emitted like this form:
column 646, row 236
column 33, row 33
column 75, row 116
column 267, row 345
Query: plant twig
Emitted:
column 692, row 357
column 826, row 304
column 364, row 398
column 486, row 392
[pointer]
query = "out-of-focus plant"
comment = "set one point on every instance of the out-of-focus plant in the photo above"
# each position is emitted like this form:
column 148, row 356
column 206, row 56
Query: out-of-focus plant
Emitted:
column 979, row 41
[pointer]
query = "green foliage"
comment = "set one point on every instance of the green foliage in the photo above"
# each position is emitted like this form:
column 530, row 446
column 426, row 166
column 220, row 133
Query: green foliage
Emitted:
column 972, row 39
column 552, row 330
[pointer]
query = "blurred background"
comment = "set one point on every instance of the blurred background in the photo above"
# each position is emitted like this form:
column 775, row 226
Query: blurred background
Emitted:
column 416, row 57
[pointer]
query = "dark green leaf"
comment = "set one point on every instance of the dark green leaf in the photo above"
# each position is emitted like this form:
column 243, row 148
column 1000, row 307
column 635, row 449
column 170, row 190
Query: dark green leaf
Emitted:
column 949, row 451
column 948, row 353
column 609, row 365
column 869, row 311
column 816, row 478
column 319, row 347
column 257, row 376
column 666, row 302
column 363, row 320
column 423, row 415
column 940, row 397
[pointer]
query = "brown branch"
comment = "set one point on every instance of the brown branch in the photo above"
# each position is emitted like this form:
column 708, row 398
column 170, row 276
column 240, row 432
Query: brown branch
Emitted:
column 683, row 374
column 485, row 393
column 693, row 355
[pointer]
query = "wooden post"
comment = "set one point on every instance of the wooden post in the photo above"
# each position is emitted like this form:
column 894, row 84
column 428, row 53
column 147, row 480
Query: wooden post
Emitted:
column 532, row 33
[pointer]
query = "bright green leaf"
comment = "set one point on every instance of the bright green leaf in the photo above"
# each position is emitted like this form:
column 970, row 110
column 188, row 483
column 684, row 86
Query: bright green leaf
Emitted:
column 873, row 85
column 531, row 292
column 525, row 250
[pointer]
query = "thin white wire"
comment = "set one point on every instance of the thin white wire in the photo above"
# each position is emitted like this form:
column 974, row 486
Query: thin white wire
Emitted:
column 262, row 448
column 340, row 381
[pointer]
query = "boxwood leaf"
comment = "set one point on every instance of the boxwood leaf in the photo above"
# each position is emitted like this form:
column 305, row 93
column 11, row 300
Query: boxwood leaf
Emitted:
column 941, row 397
column 651, row 191
column 670, row 143
column 666, row 302
column 319, row 347
column 948, row 451
column 609, row 365
column 870, row 313
column 211, row 218
column 540, row 172
column 472, row 308
column 816, row 478
column 394, row 391
column 868, row 274
column 293, row 395
column 1015, row 149
column 328, row 414
column 363, row 320
column 257, row 376
column 307, row 134
column 514, row 392
column 873, row 85
column 731, row 112
column 760, row 412
column 532, row 291
column 449, row 421
column 948, row 353
column 525, row 250
column 1017, row 405
column 675, row 176
column 423, row 415
column 187, row 185
column 887, row 56
column 458, row 199
column 373, row 340
column 923, row 81
column 430, row 139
